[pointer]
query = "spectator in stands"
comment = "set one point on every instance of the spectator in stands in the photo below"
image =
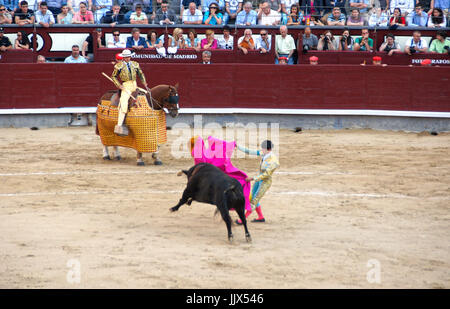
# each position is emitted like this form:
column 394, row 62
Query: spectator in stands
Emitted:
column 313, row 60
column 23, row 16
column 282, row 60
column 11, row 5
column 192, row 41
column 314, row 20
column 355, row 18
column 206, row 57
column 130, row 6
column 100, row 8
column 5, row 17
column 361, row 5
column 135, row 41
column 286, row 6
column 177, row 39
column 40, row 59
column 209, row 42
column 246, row 42
column 363, row 43
column 273, row 4
column 192, row 16
column 418, row 18
column 22, row 41
column 153, row 40
column 116, row 41
column 267, row 16
column 309, row 39
column 416, row 44
column 378, row 18
column 186, row 3
column 311, row 8
column 247, row 17
column 83, row 16
column 327, row 41
column 406, row 6
column 74, row 5
column 263, row 43
column 397, row 20
column 5, row 43
column 87, row 49
column 138, row 17
column 346, row 42
column 376, row 60
column 440, row 44
column 390, row 45
column 295, row 16
column 75, row 57
column 65, row 17
column 164, row 15
column 426, row 63
column 437, row 19
column 284, row 45
column 226, row 42
column 213, row 16
column 44, row 17
column 113, row 17
column 232, row 8
column 336, row 18
column 55, row 6
column 341, row 4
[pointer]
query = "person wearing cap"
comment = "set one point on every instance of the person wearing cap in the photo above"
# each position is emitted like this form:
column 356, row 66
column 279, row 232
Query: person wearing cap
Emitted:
column 376, row 60
column 87, row 50
column 282, row 60
column 262, row 182
column 313, row 60
column 5, row 43
column 440, row 44
column 127, row 71
column 426, row 63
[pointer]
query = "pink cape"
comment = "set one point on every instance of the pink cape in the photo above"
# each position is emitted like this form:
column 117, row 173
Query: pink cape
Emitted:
column 218, row 154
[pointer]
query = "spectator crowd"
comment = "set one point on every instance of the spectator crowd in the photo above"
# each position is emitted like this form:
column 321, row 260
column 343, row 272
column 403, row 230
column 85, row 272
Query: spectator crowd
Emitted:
column 281, row 13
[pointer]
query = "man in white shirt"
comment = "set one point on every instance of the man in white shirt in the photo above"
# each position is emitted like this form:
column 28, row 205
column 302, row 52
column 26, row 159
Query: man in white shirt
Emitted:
column 192, row 15
column 267, row 16
column 284, row 45
column 416, row 44
column 115, row 41
column 225, row 42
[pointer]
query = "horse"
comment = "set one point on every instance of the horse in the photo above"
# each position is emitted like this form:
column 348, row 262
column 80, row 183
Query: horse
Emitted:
column 149, row 105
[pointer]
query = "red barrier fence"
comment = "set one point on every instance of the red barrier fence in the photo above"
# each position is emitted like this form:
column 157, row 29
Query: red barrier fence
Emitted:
column 400, row 88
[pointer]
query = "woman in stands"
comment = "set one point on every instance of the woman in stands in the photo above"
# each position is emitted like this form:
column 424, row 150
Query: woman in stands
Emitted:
column 346, row 42
column 397, row 20
column 177, row 40
column 327, row 41
column 213, row 16
column 152, row 40
column 209, row 42
column 192, row 42
column 437, row 19
column 22, row 41
column 295, row 16
column 65, row 17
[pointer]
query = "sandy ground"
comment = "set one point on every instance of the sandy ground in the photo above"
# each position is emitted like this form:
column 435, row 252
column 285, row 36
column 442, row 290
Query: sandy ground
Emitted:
column 345, row 207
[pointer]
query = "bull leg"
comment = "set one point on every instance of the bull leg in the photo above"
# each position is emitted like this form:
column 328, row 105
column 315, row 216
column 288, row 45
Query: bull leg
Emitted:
column 241, row 215
column 155, row 156
column 117, row 153
column 140, row 161
column 106, row 153
column 184, row 199
column 226, row 217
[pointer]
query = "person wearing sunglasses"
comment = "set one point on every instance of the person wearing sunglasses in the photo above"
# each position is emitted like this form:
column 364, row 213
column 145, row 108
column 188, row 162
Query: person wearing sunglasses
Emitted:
column 115, row 41
column 5, row 17
column 213, row 16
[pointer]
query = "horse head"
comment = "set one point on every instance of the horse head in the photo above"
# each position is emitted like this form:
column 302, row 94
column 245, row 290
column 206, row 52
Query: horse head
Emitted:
column 165, row 97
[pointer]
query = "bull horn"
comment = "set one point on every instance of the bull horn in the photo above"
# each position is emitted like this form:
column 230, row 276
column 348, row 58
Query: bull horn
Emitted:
column 180, row 173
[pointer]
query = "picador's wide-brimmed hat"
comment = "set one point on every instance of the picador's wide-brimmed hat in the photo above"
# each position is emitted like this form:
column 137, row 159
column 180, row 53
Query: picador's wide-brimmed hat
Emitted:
column 126, row 53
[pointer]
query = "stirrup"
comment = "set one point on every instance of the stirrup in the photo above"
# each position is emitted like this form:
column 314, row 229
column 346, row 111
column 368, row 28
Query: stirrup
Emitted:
column 121, row 130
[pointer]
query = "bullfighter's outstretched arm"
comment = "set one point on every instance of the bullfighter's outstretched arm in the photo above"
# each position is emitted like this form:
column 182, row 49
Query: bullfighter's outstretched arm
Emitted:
column 249, row 151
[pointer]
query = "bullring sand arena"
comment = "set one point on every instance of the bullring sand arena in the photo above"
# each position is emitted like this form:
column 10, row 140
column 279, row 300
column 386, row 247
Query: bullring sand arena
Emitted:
column 342, row 205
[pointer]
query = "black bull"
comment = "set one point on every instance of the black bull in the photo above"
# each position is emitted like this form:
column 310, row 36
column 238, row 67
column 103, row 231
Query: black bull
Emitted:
column 208, row 184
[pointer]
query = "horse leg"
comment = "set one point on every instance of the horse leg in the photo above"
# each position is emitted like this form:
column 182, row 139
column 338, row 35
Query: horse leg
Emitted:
column 155, row 156
column 140, row 161
column 106, row 153
column 117, row 153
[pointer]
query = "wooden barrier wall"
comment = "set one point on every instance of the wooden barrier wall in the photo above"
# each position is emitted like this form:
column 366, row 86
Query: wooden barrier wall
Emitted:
column 53, row 85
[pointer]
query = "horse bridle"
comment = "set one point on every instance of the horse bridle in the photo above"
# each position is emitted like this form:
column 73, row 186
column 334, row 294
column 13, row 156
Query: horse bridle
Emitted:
column 171, row 99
